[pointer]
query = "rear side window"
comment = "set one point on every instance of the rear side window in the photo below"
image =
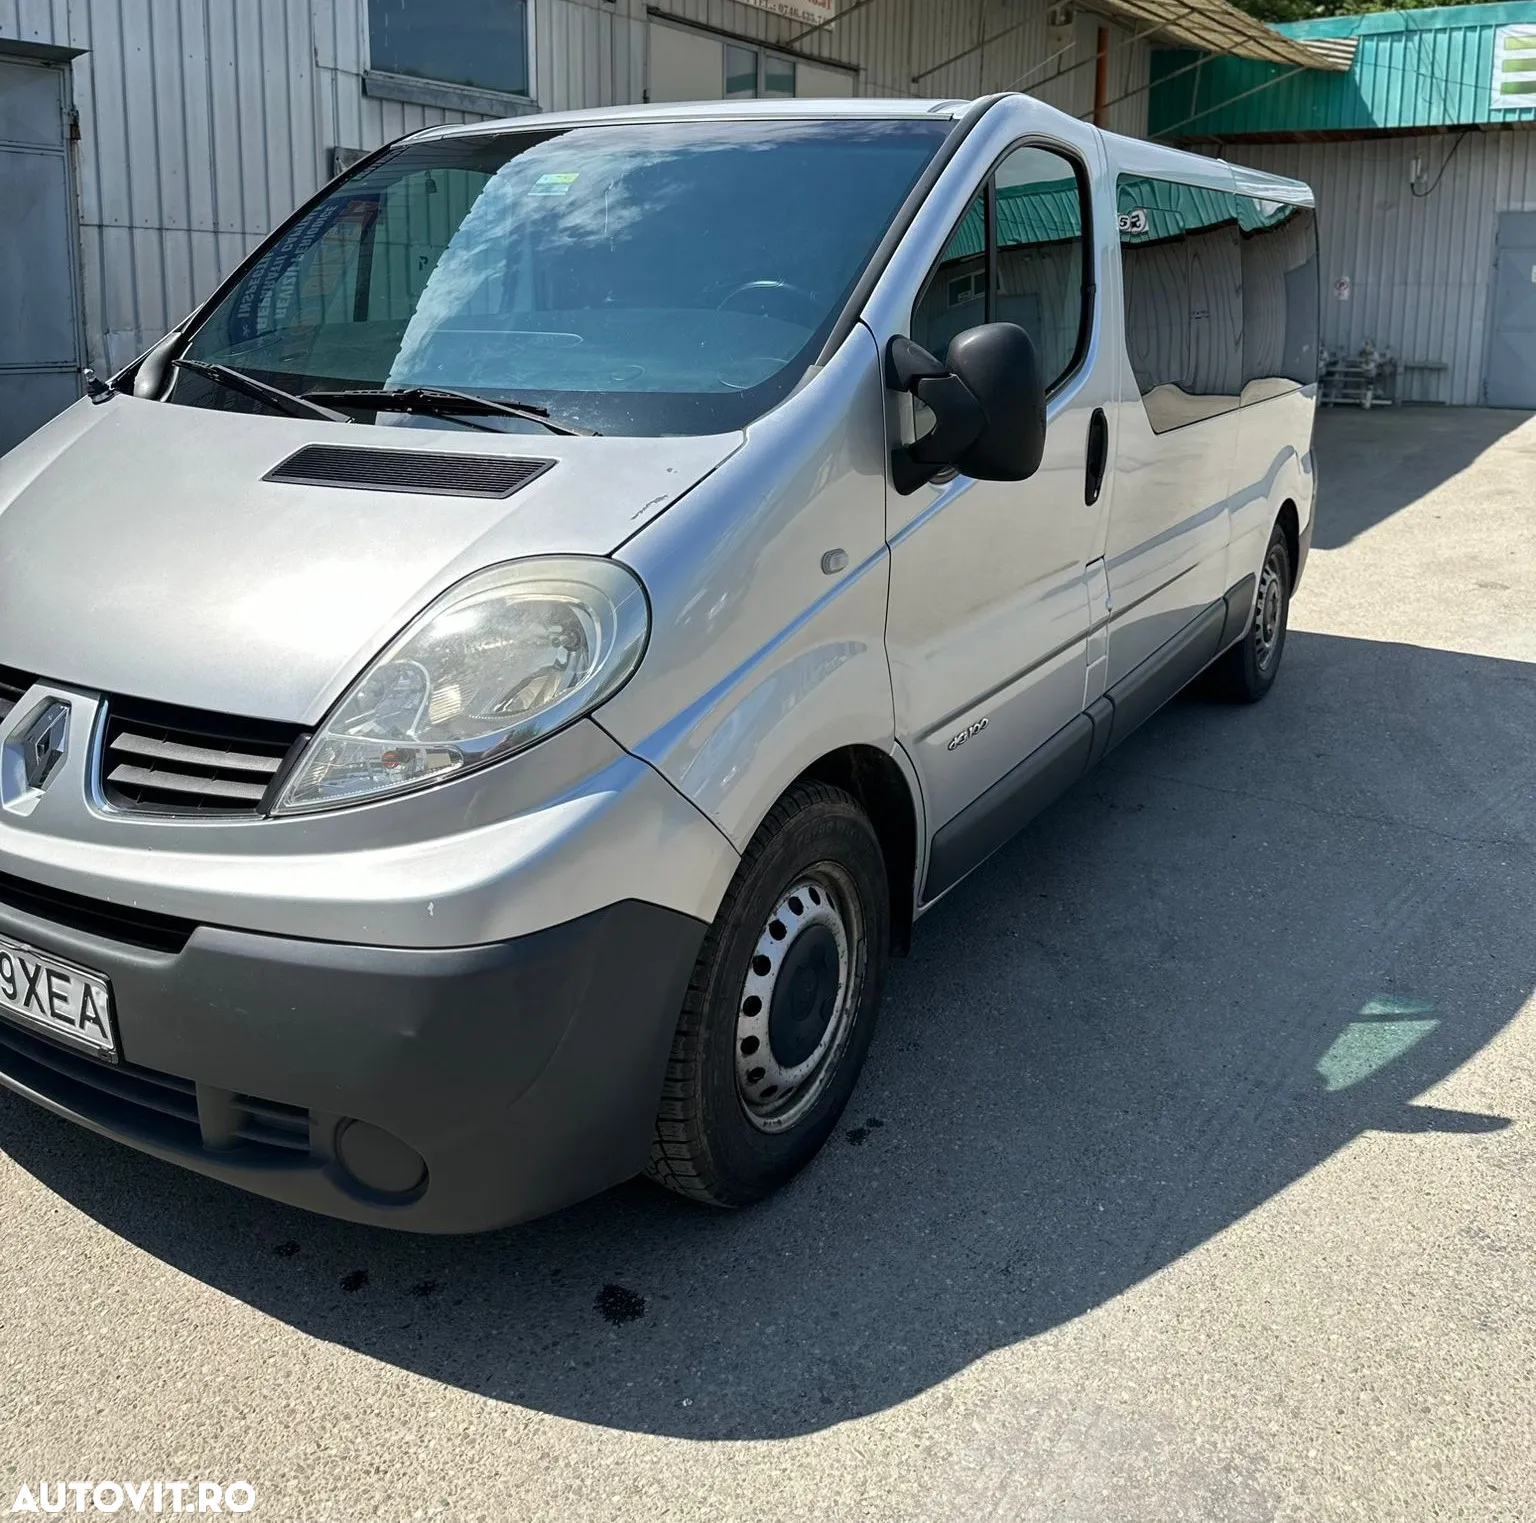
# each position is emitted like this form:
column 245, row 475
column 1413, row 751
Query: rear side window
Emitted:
column 1018, row 255
column 1280, row 298
column 1220, row 298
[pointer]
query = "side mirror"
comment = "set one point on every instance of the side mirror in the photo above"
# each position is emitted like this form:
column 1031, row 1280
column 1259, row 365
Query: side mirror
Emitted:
column 988, row 405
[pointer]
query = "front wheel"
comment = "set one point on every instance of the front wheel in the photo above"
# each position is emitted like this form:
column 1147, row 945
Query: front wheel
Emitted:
column 781, row 1007
column 1246, row 672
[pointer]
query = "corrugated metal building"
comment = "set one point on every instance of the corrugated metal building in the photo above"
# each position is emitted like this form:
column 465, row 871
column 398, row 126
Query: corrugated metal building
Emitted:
column 199, row 124
column 1423, row 156
column 152, row 142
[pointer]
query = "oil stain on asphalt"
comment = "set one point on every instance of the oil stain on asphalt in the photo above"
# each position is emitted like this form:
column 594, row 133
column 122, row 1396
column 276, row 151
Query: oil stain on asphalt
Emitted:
column 858, row 1135
column 618, row 1306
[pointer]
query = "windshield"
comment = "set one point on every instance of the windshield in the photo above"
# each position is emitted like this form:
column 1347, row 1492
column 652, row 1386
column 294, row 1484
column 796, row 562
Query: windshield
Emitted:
column 659, row 279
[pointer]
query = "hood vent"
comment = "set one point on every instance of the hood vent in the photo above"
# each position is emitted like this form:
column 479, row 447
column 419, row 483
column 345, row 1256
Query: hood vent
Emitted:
column 390, row 470
column 12, row 685
column 163, row 760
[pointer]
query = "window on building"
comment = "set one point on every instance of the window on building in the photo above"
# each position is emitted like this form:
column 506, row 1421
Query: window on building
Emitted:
column 751, row 74
column 482, row 44
column 1035, row 273
column 1220, row 298
column 740, row 73
column 778, row 76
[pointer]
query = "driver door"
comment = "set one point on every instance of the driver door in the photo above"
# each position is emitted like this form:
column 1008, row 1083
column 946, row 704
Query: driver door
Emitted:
column 989, row 614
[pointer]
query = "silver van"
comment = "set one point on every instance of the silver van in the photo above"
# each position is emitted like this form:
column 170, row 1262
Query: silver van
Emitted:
column 482, row 700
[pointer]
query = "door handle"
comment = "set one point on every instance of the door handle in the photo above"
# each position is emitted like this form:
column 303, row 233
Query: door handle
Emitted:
column 1098, row 456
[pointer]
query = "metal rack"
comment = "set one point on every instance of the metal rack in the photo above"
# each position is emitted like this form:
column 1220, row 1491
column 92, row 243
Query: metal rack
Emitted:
column 1367, row 379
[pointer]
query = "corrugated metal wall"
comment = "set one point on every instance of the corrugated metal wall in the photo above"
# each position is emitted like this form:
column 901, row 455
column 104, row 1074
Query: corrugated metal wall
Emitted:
column 994, row 45
column 205, row 122
column 1419, row 266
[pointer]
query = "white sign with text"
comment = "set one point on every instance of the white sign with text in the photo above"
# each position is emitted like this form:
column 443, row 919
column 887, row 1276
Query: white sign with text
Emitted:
column 812, row 11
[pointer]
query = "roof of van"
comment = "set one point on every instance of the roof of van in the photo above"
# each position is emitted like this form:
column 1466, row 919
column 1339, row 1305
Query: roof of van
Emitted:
column 849, row 108
column 1133, row 155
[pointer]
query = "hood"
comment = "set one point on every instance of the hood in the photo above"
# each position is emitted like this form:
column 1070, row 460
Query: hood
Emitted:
column 142, row 553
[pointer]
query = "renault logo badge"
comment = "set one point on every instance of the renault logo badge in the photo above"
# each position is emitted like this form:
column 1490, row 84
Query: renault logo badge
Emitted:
column 43, row 744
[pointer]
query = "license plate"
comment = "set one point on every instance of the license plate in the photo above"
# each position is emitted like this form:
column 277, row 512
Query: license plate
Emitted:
column 57, row 998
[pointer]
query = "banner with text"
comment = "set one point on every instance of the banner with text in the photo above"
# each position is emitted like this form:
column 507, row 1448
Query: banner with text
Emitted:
column 812, row 11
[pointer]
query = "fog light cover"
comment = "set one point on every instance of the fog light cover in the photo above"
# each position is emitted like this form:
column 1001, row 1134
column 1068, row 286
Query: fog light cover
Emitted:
column 379, row 1160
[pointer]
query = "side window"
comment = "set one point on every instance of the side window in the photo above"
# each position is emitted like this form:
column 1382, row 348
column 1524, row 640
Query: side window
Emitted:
column 1215, row 299
column 1181, row 255
column 1280, row 297
column 1028, row 267
column 955, row 297
column 1155, row 274
column 1041, row 254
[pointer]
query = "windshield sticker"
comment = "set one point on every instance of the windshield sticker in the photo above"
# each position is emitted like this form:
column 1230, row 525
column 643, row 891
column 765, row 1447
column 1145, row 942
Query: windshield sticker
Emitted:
column 554, row 185
column 1134, row 221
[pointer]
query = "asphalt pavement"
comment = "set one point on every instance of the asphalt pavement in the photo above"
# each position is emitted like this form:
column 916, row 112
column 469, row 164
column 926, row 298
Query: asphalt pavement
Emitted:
column 1192, row 1175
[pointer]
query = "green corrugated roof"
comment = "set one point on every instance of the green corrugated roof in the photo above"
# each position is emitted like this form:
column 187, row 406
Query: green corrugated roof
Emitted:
column 1426, row 68
column 1043, row 212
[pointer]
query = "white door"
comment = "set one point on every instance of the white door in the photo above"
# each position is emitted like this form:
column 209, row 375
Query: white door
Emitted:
column 40, row 355
column 1177, row 437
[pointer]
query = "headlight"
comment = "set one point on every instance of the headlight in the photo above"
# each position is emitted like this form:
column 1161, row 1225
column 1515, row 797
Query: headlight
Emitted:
column 493, row 665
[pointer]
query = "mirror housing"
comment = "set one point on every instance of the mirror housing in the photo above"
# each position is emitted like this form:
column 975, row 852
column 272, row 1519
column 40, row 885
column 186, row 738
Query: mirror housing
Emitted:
column 152, row 376
column 988, row 405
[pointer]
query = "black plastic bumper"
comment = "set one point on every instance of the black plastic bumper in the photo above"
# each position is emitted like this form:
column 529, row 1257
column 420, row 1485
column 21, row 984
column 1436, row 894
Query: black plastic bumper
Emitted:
column 526, row 1074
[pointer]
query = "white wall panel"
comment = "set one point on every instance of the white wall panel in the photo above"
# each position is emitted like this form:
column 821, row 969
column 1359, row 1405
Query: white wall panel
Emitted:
column 1420, row 266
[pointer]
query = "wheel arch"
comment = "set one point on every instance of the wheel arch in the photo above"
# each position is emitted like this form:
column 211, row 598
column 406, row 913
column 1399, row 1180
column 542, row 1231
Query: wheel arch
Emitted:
column 875, row 778
column 1289, row 521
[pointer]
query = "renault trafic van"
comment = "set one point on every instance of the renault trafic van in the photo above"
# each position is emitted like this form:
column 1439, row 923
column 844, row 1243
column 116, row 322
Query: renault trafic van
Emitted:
column 484, row 698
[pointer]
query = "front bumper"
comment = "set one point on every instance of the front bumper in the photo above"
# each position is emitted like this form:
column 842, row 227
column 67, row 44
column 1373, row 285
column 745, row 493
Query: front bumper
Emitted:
column 525, row 1073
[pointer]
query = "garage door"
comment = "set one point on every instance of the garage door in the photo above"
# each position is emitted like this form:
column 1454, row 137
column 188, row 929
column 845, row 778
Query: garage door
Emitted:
column 1511, row 379
column 39, row 333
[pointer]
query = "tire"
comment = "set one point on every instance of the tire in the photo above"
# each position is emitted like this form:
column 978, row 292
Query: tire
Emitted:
column 1246, row 672
column 787, row 983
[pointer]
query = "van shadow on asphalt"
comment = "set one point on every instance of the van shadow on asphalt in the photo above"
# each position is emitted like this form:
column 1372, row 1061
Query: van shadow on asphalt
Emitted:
column 1254, row 936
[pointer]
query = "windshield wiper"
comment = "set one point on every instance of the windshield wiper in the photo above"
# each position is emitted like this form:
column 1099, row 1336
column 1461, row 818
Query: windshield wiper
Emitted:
column 273, row 396
column 441, row 401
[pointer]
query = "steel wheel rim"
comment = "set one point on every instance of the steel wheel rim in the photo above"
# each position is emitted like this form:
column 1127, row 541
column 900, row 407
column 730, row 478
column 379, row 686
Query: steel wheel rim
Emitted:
column 776, row 1095
column 1269, row 608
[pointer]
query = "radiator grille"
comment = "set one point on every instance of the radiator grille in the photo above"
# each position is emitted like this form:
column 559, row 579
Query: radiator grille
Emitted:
column 272, row 1124
column 145, row 1100
column 387, row 470
column 180, row 761
column 112, row 922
